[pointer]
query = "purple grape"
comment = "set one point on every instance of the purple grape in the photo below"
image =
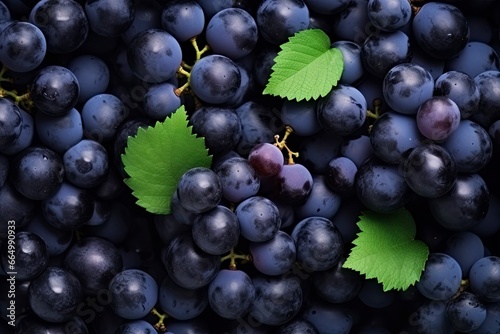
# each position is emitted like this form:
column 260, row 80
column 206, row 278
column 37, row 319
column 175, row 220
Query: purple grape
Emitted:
column 266, row 159
column 438, row 117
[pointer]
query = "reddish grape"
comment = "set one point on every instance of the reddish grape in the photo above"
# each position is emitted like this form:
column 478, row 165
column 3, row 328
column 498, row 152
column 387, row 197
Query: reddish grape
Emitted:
column 266, row 159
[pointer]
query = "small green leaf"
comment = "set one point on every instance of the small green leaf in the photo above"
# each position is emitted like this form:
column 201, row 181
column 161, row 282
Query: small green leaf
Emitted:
column 156, row 158
column 306, row 67
column 385, row 249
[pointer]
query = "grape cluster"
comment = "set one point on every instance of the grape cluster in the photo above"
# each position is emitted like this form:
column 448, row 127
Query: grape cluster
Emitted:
column 256, row 243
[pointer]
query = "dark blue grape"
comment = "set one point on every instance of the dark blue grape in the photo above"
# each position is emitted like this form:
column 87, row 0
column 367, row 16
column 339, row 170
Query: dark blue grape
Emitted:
column 160, row 101
column 475, row 58
column 277, row 299
column 55, row 294
column 190, row 326
column 181, row 303
column 430, row 171
column 216, row 231
column 59, row 133
column 86, row 164
column 441, row 277
column 11, row 122
column 487, row 83
column 430, row 317
column 484, row 278
column 279, row 19
column 4, row 169
column 116, row 228
column 180, row 213
column 57, row 240
column 136, row 327
column 232, row 32
column 183, row 19
column 210, row 8
column 490, row 325
column 470, row 146
column 373, row 295
column 337, row 284
column 259, row 218
column 239, row 179
column 406, row 86
column 154, row 55
column 63, row 23
column 110, row 18
column 263, row 63
column 461, row 89
column 133, row 293
column 37, row 172
column 221, row 128
column 14, row 206
column 490, row 225
column 464, row 206
column 94, row 261
column 31, row 323
column 231, row 293
column 297, row 327
column 382, row 51
column 4, row 12
column 258, row 125
column 30, row 256
column 342, row 111
column 321, row 201
column 352, row 22
column 293, row 183
column 326, row 6
column 199, row 189
column 380, row 186
column 168, row 227
column 341, row 175
column 465, row 247
column 92, row 74
column 316, row 151
column 466, row 312
column 389, row 15
column 25, row 138
column 275, row 256
column 147, row 16
column 55, row 90
column 323, row 315
column 319, row 243
column 353, row 70
column 102, row 114
column 69, row 208
column 434, row 66
column 22, row 46
column 440, row 29
column 393, row 136
column 357, row 149
column 187, row 265
column 301, row 116
column 215, row 79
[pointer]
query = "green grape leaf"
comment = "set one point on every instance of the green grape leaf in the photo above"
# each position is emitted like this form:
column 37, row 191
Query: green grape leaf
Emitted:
column 386, row 249
column 156, row 158
column 306, row 67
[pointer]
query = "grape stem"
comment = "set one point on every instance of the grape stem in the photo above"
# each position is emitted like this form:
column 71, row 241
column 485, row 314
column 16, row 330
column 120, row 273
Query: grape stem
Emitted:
column 185, row 69
column 232, row 257
column 281, row 144
column 160, row 325
column 377, row 103
column 199, row 53
column 23, row 100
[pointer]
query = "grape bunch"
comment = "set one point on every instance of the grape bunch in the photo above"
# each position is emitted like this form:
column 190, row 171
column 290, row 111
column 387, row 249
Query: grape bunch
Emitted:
column 257, row 241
